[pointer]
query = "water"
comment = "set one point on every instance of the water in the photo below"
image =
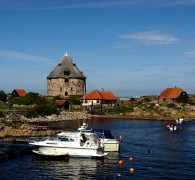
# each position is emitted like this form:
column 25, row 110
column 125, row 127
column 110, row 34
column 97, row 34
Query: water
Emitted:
column 157, row 154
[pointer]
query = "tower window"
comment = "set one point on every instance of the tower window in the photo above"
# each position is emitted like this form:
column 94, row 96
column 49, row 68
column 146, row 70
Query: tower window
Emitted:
column 66, row 73
column 66, row 93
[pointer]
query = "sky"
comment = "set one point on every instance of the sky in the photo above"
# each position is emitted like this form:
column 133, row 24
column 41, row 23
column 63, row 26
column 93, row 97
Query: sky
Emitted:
column 129, row 47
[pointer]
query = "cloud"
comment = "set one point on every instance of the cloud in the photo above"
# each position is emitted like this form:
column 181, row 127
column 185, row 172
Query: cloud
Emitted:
column 181, row 2
column 190, row 54
column 23, row 56
column 149, row 38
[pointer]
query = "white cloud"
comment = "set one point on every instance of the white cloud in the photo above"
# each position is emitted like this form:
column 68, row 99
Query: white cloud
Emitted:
column 150, row 38
column 190, row 54
column 22, row 56
column 181, row 2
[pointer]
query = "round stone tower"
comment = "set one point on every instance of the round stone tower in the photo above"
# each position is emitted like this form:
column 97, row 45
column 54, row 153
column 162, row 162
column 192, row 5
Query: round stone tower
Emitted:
column 66, row 79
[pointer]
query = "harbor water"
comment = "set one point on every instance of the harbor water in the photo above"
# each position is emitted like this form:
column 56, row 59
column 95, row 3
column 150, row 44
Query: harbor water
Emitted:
column 157, row 153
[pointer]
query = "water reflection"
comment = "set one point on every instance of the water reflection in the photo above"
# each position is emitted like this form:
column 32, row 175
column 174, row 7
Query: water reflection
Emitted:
column 76, row 168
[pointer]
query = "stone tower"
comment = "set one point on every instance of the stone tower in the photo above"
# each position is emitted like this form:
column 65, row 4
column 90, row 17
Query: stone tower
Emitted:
column 66, row 79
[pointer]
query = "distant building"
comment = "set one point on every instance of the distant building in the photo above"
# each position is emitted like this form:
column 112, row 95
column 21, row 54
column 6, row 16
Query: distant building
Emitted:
column 66, row 79
column 96, row 97
column 18, row 93
column 170, row 94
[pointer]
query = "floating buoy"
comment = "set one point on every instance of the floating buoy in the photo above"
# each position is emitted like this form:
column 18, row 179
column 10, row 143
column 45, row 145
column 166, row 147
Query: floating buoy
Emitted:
column 131, row 170
column 119, row 175
column 120, row 138
column 120, row 162
column 130, row 159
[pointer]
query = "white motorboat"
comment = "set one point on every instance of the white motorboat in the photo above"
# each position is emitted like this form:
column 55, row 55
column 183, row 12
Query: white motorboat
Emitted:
column 179, row 121
column 172, row 127
column 106, row 137
column 75, row 144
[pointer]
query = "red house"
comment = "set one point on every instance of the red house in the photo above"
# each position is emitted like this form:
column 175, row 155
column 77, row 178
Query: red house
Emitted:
column 170, row 94
column 96, row 97
column 18, row 93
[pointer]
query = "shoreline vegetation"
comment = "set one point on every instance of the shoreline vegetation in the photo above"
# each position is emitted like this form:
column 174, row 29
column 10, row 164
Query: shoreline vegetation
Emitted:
column 17, row 115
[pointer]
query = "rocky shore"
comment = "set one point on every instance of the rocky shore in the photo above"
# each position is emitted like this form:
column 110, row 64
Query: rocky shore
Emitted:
column 63, row 116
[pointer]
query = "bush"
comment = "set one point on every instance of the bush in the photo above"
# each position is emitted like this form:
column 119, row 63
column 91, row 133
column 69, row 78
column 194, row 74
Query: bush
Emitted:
column 182, row 99
column 57, row 98
column 45, row 109
column 2, row 114
column 29, row 99
column 3, row 96
column 121, row 109
column 74, row 100
column 172, row 105
column 40, row 100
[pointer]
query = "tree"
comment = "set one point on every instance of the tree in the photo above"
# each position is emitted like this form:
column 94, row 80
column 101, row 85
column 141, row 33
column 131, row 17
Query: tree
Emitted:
column 182, row 99
column 3, row 96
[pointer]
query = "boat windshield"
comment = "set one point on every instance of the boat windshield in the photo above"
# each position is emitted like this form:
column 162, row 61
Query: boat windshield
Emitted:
column 65, row 139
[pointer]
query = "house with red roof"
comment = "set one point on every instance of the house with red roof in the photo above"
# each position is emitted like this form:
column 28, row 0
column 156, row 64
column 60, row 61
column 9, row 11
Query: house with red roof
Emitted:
column 18, row 93
column 96, row 97
column 170, row 94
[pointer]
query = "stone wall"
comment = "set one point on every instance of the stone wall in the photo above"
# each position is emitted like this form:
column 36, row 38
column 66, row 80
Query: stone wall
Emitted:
column 60, row 87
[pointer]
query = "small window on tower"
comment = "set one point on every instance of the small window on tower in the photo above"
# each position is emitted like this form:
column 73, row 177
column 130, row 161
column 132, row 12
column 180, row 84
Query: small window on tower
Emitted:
column 66, row 73
column 66, row 93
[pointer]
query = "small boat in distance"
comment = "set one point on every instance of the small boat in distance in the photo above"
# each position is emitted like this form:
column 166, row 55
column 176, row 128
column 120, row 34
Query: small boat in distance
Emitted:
column 172, row 127
column 105, row 137
column 179, row 121
column 76, row 144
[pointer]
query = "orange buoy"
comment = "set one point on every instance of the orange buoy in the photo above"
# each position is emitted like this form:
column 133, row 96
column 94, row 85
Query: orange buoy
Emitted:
column 119, row 175
column 130, row 159
column 120, row 138
column 120, row 162
column 131, row 170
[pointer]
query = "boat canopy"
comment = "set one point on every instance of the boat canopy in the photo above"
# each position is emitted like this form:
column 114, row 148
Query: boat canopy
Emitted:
column 107, row 133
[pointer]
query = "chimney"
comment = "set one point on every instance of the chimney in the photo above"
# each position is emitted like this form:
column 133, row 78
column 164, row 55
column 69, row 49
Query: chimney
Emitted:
column 102, row 89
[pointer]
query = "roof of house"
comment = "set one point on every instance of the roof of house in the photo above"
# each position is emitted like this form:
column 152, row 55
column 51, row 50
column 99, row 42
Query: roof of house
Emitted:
column 95, row 94
column 171, row 93
column 66, row 65
column 60, row 102
column 20, row 92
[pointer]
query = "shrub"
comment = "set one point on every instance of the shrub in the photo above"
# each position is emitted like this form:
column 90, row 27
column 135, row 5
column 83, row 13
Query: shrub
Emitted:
column 29, row 99
column 3, row 96
column 171, row 105
column 45, row 109
column 74, row 100
column 146, row 99
column 121, row 109
column 182, row 99
column 57, row 98
column 2, row 114
column 40, row 100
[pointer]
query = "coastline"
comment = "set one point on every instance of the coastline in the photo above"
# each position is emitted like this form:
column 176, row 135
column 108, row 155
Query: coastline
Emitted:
column 155, row 118
column 26, row 129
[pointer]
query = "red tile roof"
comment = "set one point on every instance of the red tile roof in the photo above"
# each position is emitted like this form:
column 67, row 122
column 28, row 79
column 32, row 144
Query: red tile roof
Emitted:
column 20, row 92
column 171, row 93
column 95, row 94
column 109, row 95
column 60, row 102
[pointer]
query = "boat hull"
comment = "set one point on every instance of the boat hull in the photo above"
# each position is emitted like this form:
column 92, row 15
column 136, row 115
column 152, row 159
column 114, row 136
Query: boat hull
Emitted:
column 70, row 151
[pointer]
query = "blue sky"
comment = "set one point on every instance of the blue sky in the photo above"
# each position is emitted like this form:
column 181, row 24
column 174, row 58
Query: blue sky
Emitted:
column 129, row 47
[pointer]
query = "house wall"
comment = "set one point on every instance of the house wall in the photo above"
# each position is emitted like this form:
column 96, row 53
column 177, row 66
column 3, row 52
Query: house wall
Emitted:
column 59, row 86
column 90, row 102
